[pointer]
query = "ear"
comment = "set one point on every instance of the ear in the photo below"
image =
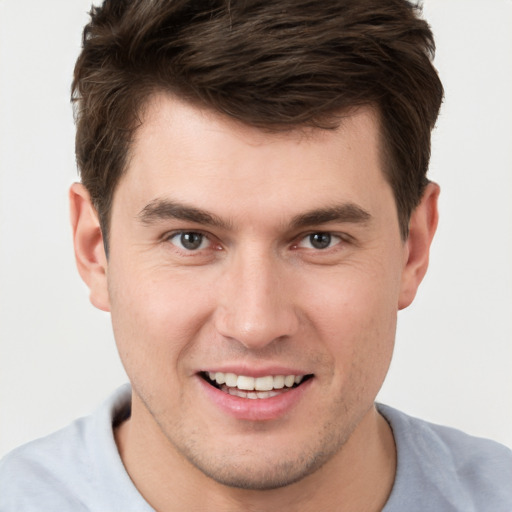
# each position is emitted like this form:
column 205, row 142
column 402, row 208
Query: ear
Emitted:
column 88, row 243
column 422, row 226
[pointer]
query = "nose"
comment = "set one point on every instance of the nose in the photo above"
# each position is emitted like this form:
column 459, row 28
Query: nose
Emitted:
column 256, row 301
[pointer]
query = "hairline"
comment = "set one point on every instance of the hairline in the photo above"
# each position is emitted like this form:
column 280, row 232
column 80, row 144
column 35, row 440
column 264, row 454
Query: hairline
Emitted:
column 140, row 116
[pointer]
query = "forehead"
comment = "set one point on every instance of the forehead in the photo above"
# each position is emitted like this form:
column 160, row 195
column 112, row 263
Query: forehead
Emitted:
column 211, row 159
column 167, row 111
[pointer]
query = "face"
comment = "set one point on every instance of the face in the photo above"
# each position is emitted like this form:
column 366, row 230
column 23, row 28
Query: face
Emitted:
column 253, row 281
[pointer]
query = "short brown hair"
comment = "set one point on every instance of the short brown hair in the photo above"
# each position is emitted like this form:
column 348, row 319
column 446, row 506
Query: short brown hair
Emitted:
column 273, row 64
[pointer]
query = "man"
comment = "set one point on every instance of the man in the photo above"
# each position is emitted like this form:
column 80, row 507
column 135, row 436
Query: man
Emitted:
column 253, row 212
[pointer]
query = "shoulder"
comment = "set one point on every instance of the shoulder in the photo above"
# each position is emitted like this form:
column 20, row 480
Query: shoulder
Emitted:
column 32, row 474
column 448, row 468
column 76, row 468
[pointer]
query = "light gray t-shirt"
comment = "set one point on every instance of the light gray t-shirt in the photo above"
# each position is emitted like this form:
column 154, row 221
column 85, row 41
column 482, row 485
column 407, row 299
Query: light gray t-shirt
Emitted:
column 79, row 469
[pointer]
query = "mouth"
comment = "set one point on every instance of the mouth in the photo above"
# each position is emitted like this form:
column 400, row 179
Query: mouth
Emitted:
column 255, row 388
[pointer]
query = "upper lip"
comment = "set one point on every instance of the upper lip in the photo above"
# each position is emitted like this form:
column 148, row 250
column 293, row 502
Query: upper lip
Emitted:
column 253, row 371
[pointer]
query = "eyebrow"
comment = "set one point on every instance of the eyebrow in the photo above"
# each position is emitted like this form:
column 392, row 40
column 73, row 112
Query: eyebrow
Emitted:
column 346, row 212
column 163, row 209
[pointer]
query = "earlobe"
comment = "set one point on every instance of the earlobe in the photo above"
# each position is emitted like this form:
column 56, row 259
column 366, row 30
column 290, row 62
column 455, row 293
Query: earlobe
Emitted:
column 422, row 227
column 90, row 255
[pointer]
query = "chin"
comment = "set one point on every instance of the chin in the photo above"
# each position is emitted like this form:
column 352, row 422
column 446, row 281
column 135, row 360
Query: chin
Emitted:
column 258, row 472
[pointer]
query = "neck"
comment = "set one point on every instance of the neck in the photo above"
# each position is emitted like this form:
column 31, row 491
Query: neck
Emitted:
column 358, row 478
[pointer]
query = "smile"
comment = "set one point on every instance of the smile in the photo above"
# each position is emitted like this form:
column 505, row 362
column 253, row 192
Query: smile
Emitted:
column 244, row 386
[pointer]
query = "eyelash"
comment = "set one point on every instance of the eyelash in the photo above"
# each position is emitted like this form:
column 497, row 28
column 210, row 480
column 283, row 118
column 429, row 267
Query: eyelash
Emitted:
column 328, row 234
column 339, row 238
column 188, row 251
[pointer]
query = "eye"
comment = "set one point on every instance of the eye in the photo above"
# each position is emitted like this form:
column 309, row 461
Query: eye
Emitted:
column 189, row 240
column 319, row 241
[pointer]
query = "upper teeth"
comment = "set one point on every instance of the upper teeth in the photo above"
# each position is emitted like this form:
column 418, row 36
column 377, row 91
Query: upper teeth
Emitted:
column 266, row 383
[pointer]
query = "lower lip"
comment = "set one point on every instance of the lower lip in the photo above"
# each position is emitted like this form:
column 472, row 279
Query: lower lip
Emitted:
column 259, row 409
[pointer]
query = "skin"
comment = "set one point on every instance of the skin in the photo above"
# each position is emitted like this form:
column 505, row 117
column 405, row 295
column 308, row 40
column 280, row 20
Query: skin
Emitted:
column 256, row 295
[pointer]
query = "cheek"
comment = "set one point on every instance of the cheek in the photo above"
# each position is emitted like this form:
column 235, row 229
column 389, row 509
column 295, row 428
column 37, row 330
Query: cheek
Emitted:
column 355, row 315
column 155, row 317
